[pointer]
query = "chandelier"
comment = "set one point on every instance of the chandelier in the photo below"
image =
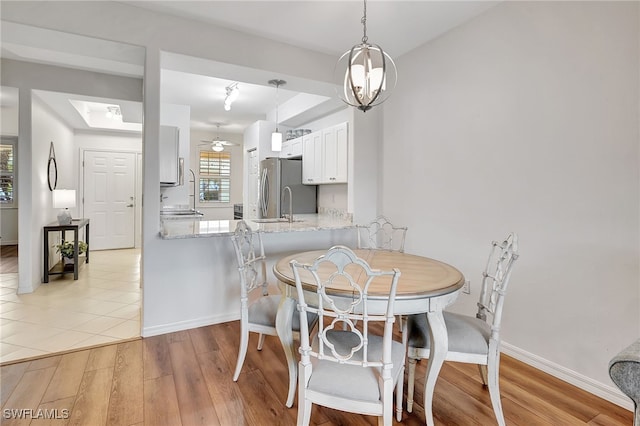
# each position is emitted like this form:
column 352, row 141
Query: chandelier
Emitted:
column 366, row 73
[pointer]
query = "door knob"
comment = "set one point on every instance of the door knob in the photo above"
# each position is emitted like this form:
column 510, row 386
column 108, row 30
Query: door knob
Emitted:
column 129, row 205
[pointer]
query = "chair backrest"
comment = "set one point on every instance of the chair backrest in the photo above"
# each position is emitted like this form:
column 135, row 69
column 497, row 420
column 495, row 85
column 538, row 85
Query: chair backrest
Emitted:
column 251, row 260
column 340, row 268
column 381, row 234
column 495, row 280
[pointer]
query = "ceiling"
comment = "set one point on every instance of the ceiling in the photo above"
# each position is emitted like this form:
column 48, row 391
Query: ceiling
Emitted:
column 201, row 84
column 313, row 24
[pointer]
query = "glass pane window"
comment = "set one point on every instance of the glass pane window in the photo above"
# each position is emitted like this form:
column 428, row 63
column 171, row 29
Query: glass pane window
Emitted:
column 7, row 159
column 215, row 176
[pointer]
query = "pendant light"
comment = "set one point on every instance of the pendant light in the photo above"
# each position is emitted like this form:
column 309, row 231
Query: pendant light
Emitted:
column 276, row 137
column 365, row 73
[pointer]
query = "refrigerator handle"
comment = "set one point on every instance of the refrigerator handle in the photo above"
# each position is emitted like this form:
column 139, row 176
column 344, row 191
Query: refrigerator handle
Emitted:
column 264, row 192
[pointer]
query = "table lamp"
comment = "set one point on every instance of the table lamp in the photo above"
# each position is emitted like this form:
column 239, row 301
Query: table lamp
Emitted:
column 63, row 199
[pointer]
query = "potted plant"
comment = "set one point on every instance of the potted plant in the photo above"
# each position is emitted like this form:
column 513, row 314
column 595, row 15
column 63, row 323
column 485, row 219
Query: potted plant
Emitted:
column 66, row 249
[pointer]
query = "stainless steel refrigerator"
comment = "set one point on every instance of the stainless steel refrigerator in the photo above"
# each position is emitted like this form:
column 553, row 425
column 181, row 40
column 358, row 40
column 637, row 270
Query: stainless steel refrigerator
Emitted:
column 275, row 175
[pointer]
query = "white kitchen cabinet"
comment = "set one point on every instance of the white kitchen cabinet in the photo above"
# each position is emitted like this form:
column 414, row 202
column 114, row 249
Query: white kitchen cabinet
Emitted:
column 312, row 158
column 292, row 148
column 169, row 156
column 335, row 145
column 325, row 155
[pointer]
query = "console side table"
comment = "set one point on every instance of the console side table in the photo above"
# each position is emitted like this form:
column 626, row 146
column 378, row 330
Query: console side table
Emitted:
column 58, row 268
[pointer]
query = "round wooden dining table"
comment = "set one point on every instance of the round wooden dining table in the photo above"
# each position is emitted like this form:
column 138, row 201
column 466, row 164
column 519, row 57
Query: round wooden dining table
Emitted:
column 425, row 286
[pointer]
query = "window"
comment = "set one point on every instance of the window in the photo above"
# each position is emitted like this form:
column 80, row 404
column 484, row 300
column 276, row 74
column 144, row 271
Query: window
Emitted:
column 7, row 172
column 215, row 176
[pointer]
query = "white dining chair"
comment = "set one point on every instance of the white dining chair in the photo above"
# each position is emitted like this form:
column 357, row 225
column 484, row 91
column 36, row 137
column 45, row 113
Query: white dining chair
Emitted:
column 257, row 311
column 474, row 340
column 348, row 367
column 381, row 234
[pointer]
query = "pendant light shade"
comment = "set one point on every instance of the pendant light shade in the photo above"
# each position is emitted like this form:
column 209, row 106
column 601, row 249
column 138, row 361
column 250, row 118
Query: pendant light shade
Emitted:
column 365, row 73
column 276, row 137
column 276, row 141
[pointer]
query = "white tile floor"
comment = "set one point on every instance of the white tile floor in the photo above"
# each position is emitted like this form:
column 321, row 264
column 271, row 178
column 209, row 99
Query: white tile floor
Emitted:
column 102, row 306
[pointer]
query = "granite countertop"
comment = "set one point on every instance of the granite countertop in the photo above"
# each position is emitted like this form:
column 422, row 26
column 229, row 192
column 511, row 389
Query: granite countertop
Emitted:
column 198, row 228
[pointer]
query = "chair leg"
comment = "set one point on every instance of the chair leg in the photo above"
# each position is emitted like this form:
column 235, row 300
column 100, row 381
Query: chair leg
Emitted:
column 399, row 390
column 304, row 411
column 260, row 341
column 494, row 387
column 483, row 374
column 242, row 353
column 411, row 384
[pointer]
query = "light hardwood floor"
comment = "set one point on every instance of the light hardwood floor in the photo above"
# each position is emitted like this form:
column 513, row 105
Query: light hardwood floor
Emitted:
column 184, row 378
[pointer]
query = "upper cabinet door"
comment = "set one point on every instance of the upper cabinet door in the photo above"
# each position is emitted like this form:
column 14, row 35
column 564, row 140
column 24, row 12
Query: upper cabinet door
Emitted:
column 335, row 148
column 291, row 148
column 168, row 152
column 312, row 158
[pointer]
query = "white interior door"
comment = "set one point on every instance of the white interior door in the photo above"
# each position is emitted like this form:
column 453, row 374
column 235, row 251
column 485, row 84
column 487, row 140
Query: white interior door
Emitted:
column 109, row 198
column 251, row 212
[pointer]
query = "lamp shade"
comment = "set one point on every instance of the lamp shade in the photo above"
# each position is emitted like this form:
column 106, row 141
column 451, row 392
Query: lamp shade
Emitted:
column 64, row 198
column 276, row 141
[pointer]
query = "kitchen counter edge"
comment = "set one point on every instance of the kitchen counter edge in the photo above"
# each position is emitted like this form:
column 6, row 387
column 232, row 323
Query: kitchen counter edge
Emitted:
column 199, row 228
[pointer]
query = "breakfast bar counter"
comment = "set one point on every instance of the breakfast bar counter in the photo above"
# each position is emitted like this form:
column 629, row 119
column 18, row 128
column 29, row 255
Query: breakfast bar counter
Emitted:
column 202, row 250
column 180, row 228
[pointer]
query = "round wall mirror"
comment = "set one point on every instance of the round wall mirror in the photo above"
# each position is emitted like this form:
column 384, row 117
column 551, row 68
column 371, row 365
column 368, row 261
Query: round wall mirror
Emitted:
column 52, row 169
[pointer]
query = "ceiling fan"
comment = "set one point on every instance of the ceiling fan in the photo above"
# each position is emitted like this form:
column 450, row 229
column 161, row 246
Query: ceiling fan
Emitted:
column 217, row 144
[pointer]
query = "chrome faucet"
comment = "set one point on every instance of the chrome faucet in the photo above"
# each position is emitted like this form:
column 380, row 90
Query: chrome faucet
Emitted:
column 290, row 202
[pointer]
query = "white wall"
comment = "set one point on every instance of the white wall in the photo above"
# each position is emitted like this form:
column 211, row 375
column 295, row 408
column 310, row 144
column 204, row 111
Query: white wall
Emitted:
column 215, row 210
column 9, row 116
column 526, row 120
column 48, row 127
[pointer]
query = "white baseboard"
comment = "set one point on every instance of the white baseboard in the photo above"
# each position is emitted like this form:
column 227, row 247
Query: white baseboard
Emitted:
column 601, row 390
column 186, row 325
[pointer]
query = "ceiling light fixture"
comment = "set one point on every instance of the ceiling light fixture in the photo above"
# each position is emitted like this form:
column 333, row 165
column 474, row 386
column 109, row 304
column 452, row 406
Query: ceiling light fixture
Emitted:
column 370, row 73
column 232, row 94
column 276, row 137
column 218, row 145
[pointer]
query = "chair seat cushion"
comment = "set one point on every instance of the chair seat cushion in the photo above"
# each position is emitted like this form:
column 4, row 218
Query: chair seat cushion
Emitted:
column 263, row 311
column 353, row 381
column 466, row 334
